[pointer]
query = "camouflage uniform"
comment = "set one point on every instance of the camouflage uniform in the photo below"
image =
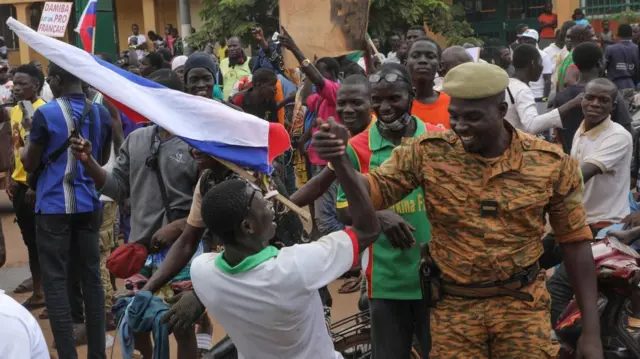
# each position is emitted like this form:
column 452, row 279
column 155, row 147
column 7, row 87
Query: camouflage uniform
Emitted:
column 530, row 177
column 107, row 237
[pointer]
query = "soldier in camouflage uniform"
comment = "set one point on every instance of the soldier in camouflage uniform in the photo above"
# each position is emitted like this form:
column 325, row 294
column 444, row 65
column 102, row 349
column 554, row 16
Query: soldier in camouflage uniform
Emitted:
column 487, row 188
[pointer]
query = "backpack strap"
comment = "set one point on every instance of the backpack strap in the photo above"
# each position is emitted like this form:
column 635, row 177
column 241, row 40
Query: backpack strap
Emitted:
column 88, row 105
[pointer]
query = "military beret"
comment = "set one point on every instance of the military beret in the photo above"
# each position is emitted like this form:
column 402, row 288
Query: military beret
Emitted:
column 475, row 80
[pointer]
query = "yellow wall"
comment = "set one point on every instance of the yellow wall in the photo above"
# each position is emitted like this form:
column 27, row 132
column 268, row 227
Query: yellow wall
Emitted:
column 129, row 12
column 564, row 9
column 166, row 13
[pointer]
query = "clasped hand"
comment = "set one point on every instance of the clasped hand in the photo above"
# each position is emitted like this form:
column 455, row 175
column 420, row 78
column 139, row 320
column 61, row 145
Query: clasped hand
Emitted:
column 330, row 142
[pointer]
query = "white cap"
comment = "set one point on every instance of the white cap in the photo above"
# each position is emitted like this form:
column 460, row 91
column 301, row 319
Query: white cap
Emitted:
column 178, row 61
column 530, row 33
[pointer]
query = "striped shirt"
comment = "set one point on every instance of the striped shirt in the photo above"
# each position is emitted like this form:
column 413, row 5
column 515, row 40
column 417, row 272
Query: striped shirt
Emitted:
column 63, row 186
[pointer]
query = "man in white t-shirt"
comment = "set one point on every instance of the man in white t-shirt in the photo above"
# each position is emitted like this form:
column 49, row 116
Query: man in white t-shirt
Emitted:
column 603, row 148
column 267, row 299
column 20, row 334
column 522, row 112
column 556, row 50
column 540, row 87
column 137, row 41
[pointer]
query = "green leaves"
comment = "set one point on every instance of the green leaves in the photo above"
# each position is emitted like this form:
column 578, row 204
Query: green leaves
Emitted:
column 223, row 18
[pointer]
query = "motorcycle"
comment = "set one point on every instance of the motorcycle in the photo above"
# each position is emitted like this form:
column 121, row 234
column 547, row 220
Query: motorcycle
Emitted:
column 618, row 269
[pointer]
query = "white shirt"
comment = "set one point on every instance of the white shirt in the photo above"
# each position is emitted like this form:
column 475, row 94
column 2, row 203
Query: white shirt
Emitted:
column 20, row 334
column 141, row 39
column 272, row 309
column 555, row 54
column 554, row 77
column 537, row 87
column 6, row 91
column 438, row 82
column 46, row 93
column 522, row 112
column 608, row 146
column 392, row 57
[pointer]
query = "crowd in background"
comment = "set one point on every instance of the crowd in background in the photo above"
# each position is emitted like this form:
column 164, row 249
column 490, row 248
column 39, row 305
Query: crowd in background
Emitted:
column 132, row 201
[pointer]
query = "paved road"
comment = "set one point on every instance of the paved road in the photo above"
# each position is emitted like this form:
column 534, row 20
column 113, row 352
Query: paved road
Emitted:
column 16, row 270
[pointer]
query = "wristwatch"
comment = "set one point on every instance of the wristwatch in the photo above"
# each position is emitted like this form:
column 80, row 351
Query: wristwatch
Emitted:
column 306, row 62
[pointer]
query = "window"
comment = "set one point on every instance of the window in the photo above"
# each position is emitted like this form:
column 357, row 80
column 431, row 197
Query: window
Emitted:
column 524, row 9
column 10, row 40
column 598, row 8
column 479, row 10
column 35, row 13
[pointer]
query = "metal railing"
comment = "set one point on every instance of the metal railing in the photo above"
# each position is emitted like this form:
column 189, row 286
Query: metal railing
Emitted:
column 596, row 9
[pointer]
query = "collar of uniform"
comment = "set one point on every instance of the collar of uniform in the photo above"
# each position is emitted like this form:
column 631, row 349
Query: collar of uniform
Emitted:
column 248, row 263
column 593, row 133
column 510, row 160
column 377, row 142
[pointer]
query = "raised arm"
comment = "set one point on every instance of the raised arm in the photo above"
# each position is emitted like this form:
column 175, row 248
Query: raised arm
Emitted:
column 307, row 66
column 534, row 123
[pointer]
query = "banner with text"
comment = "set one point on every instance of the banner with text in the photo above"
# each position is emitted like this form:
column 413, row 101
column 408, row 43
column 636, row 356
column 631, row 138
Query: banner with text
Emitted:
column 324, row 28
column 55, row 16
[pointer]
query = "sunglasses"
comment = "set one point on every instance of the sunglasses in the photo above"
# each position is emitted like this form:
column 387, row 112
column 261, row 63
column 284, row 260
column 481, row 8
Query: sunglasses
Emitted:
column 390, row 78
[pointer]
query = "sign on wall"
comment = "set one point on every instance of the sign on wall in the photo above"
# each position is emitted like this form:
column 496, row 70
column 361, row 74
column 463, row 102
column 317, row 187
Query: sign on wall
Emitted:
column 55, row 16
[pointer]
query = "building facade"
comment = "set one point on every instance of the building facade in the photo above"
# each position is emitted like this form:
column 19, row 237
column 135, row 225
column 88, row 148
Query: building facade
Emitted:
column 114, row 20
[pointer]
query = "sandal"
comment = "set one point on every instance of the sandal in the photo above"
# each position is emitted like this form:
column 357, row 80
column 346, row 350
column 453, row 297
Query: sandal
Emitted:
column 350, row 285
column 30, row 304
column 25, row 287
column 44, row 315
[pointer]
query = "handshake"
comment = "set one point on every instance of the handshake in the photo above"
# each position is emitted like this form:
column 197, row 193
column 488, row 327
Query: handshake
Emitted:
column 330, row 142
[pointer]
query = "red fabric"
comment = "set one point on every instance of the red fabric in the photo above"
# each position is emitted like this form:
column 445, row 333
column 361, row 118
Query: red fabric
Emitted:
column 547, row 32
column 356, row 246
column 127, row 260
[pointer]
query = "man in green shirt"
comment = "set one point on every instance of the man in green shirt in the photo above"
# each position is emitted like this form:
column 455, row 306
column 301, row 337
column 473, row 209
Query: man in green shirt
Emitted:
column 391, row 263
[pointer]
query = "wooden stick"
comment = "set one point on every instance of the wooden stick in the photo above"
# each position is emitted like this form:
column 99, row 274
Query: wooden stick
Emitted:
column 305, row 215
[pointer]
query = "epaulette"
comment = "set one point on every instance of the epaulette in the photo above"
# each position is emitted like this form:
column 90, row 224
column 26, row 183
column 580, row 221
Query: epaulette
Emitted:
column 448, row 136
column 533, row 143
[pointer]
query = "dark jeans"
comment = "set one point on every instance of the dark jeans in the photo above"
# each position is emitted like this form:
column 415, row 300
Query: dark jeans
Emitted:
column 26, row 218
column 70, row 244
column 560, row 290
column 393, row 325
column 559, row 287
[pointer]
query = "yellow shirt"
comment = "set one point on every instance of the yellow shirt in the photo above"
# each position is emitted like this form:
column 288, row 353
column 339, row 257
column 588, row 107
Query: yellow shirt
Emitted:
column 17, row 133
column 221, row 54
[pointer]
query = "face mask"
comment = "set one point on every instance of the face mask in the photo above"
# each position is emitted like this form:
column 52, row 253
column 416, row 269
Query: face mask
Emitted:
column 397, row 125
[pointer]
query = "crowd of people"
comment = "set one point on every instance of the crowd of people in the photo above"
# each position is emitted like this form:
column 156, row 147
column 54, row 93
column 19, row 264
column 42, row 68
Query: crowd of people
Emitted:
column 418, row 158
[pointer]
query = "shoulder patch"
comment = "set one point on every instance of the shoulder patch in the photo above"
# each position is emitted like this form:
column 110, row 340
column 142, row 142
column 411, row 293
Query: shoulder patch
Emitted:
column 533, row 143
column 447, row 136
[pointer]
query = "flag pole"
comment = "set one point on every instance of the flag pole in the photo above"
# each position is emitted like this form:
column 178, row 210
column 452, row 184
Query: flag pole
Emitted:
column 95, row 32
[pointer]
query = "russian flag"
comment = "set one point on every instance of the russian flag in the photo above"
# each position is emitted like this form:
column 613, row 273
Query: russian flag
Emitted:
column 87, row 25
column 205, row 124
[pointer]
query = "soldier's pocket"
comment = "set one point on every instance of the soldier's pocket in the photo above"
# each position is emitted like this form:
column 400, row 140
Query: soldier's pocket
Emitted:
column 521, row 208
column 450, row 199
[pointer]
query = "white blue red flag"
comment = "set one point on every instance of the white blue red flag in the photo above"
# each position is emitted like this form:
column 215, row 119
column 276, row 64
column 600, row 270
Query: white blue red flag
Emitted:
column 87, row 25
column 205, row 124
